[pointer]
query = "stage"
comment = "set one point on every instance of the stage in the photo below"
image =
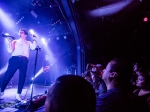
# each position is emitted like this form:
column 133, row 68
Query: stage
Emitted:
column 9, row 103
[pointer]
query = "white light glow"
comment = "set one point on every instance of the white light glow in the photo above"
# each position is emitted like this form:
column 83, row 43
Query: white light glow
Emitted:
column 38, row 73
column 32, row 31
column 6, row 33
column 65, row 37
column 3, row 70
column 6, row 41
column 57, row 38
column 32, row 78
column 31, row 86
column 109, row 9
column 6, row 20
column 44, row 41
column 145, row 19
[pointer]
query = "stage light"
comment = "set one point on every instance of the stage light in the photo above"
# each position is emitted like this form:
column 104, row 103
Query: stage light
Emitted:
column 34, row 14
column 36, row 2
column 57, row 38
column 145, row 19
column 38, row 73
column 44, row 41
column 110, row 9
column 65, row 37
column 32, row 31
column 73, row 1
column 6, row 19
column 6, row 33
column 20, row 20
column 51, row 30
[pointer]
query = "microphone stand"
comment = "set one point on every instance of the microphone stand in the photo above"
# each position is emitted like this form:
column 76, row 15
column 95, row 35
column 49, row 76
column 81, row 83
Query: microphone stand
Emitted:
column 30, row 104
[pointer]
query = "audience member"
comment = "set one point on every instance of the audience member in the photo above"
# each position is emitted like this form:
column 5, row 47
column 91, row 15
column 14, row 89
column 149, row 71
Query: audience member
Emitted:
column 87, row 76
column 93, row 74
column 142, row 94
column 71, row 93
column 137, row 70
column 102, row 86
column 116, row 99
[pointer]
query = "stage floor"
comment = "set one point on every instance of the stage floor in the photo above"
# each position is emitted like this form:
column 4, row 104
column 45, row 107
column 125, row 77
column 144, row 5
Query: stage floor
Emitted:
column 10, row 93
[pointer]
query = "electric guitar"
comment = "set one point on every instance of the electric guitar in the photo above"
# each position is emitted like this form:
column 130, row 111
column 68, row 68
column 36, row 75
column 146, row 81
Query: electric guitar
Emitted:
column 46, row 68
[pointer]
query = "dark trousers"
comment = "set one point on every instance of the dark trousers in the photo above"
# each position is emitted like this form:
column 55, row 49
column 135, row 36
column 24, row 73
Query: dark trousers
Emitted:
column 15, row 63
column 47, row 78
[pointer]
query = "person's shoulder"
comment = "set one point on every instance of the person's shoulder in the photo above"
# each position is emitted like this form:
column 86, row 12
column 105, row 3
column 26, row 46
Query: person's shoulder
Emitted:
column 103, row 96
column 29, row 42
column 14, row 41
column 104, row 101
column 112, row 94
column 17, row 40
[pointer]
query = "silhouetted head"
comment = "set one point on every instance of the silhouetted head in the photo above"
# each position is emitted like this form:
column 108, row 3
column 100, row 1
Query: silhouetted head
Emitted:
column 116, row 72
column 71, row 93
column 143, row 81
column 137, row 67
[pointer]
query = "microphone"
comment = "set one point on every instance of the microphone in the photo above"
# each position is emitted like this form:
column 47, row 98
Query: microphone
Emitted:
column 33, row 35
column 4, row 35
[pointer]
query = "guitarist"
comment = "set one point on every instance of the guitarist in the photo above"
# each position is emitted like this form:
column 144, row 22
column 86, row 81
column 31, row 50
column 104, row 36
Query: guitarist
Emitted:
column 46, row 70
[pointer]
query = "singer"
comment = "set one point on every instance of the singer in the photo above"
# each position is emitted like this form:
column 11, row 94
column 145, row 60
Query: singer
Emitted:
column 20, row 52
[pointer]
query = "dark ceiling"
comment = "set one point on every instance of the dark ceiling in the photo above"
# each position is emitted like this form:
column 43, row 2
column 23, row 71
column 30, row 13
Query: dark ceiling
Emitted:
column 45, row 13
column 109, row 28
column 115, row 28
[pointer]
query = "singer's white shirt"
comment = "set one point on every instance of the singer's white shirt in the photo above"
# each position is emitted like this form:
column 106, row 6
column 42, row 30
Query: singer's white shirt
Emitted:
column 22, row 47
